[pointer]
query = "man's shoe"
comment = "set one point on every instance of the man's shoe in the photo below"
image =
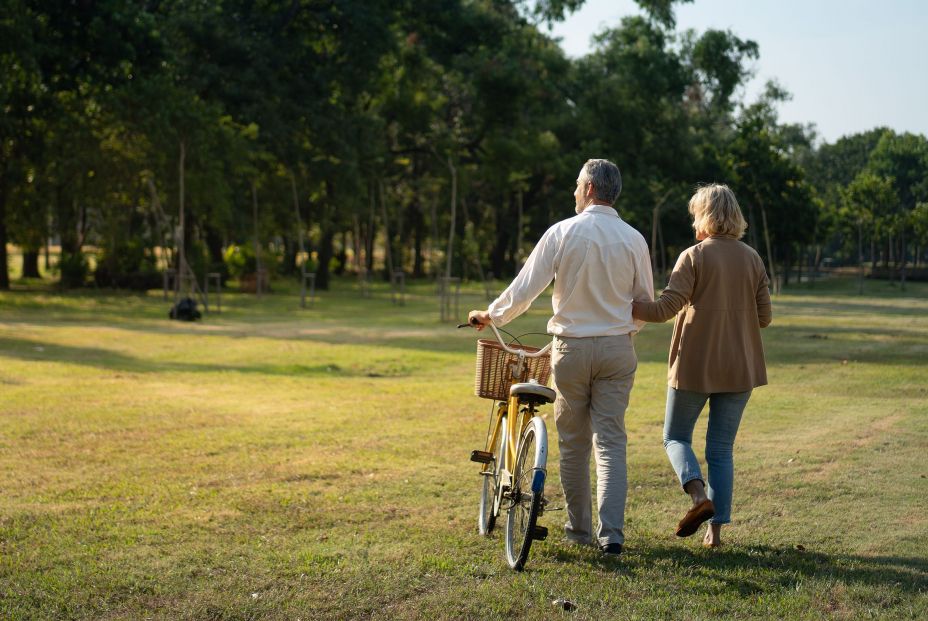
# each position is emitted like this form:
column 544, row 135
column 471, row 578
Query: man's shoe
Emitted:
column 694, row 517
column 611, row 549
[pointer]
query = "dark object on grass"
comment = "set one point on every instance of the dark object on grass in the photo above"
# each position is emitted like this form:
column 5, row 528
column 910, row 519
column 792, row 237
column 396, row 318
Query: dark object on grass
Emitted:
column 565, row 604
column 185, row 310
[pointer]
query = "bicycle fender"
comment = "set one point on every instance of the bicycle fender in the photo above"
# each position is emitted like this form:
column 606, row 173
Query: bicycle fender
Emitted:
column 538, row 481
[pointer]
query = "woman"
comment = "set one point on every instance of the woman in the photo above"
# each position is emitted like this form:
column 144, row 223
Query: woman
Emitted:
column 719, row 293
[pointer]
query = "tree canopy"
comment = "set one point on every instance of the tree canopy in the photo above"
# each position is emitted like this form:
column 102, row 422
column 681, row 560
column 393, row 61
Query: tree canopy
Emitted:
column 429, row 137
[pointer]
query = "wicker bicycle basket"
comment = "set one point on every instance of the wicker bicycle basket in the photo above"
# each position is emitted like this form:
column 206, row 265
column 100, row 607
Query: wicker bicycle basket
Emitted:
column 495, row 370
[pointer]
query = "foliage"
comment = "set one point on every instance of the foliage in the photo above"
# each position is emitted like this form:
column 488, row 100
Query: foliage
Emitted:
column 127, row 265
column 395, row 130
column 73, row 270
column 240, row 260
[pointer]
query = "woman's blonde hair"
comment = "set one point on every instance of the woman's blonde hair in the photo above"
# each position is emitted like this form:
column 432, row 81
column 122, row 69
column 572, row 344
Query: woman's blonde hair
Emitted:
column 715, row 211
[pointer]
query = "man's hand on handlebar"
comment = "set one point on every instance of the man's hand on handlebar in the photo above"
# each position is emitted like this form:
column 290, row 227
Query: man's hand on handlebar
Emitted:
column 478, row 319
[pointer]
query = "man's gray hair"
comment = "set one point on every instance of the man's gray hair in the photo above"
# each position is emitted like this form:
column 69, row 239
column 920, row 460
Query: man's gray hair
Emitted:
column 606, row 179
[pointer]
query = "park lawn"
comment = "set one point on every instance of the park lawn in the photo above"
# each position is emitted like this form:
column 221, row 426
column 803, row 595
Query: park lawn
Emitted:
column 278, row 463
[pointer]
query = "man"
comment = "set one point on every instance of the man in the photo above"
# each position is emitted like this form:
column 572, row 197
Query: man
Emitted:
column 599, row 265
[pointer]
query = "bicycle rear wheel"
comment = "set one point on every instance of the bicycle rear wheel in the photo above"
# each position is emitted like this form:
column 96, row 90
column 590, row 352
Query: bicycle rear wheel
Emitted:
column 526, row 492
column 489, row 507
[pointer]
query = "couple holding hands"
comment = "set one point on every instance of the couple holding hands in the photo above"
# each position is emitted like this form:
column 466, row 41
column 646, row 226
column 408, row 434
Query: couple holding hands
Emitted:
column 603, row 294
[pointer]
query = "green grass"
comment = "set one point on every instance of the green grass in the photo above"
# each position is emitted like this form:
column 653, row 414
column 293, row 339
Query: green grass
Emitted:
column 278, row 463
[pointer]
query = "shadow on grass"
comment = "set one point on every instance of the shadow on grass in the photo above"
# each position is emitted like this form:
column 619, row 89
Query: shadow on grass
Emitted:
column 37, row 351
column 786, row 567
column 759, row 569
column 339, row 320
column 846, row 307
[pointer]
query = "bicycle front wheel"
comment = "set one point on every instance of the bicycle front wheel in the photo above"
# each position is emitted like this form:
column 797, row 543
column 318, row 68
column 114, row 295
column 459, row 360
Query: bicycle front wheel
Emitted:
column 489, row 495
column 526, row 492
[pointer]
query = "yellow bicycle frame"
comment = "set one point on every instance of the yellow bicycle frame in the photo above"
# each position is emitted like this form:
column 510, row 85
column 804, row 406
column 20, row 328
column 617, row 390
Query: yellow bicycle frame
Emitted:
column 515, row 425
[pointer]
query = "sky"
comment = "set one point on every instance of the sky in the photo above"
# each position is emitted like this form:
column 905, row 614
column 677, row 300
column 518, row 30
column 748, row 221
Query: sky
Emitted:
column 850, row 65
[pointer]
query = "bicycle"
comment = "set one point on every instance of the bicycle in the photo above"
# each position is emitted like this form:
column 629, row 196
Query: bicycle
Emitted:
column 516, row 452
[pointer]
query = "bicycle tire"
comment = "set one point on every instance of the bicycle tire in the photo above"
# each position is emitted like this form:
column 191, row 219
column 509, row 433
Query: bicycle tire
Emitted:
column 489, row 507
column 526, row 492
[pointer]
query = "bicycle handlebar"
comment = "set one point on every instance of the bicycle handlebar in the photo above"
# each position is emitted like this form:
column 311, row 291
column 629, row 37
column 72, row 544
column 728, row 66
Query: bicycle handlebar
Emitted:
column 517, row 352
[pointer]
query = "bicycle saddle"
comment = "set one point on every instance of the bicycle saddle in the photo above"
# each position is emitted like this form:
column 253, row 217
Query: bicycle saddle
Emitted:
column 533, row 391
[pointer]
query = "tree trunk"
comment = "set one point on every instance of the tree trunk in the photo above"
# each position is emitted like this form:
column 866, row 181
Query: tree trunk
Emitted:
column 342, row 255
column 4, row 260
column 770, row 266
column 860, row 257
column 299, row 224
column 371, row 232
column 787, row 263
column 399, row 257
column 418, row 270
column 369, row 241
column 454, row 206
column 288, row 266
column 180, row 242
column 356, row 242
column 69, row 263
column 325, row 257
column 498, row 254
column 433, row 238
column 214, row 248
column 254, row 210
column 799, row 266
column 31, row 264
column 387, row 242
column 902, row 259
column 752, row 225
column 518, row 252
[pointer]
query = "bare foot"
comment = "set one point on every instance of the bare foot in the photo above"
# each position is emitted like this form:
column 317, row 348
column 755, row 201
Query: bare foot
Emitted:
column 713, row 538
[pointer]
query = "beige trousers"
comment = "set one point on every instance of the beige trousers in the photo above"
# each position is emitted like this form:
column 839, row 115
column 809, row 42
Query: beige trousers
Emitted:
column 593, row 378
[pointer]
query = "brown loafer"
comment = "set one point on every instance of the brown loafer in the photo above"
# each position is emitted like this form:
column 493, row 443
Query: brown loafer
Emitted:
column 694, row 517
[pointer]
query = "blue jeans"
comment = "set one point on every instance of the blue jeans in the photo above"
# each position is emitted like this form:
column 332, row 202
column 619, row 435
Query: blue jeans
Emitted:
column 725, row 409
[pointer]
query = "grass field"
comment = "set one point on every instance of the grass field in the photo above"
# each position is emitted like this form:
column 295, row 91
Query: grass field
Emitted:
column 278, row 463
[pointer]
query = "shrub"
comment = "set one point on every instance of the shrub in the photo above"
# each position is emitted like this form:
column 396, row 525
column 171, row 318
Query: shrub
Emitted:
column 127, row 266
column 240, row 260
column 73, row 269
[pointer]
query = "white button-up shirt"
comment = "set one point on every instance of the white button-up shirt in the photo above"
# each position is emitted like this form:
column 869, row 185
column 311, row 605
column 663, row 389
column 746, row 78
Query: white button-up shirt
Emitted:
column 599, row 264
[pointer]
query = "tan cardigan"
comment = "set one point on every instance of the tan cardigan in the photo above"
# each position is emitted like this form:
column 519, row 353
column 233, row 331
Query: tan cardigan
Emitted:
column 719, row 292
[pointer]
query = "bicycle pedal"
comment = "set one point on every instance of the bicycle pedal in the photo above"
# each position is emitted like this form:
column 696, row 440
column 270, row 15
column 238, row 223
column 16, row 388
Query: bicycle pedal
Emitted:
column 540, row 533
column 481, row 457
